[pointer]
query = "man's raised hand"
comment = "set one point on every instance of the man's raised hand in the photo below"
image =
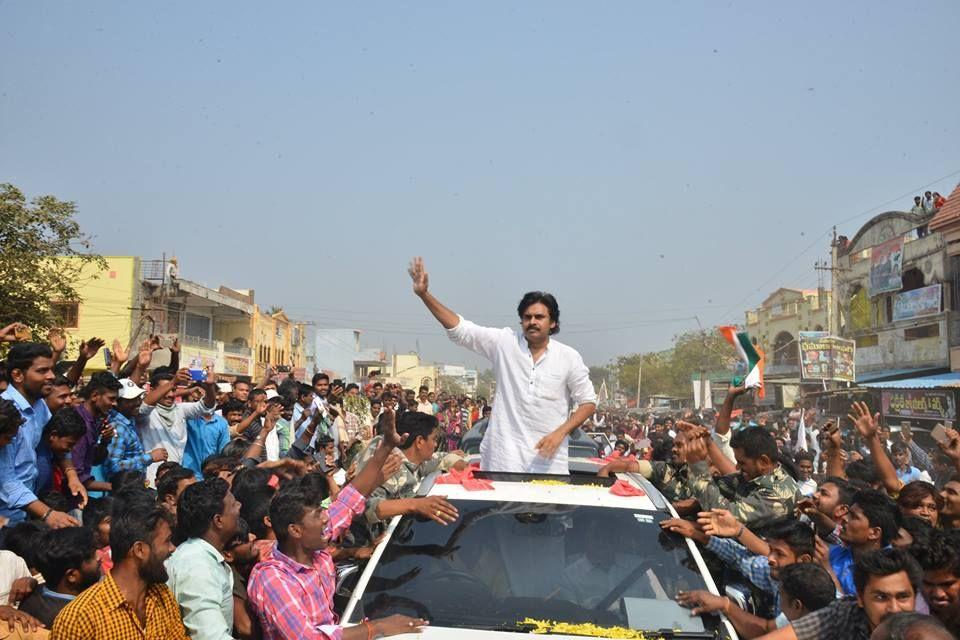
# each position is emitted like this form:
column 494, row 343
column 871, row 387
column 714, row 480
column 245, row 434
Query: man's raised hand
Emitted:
column 421, row 281
column 391, row 438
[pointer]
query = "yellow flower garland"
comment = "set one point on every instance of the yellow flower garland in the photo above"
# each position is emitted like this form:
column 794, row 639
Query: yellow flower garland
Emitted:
column 584, row 629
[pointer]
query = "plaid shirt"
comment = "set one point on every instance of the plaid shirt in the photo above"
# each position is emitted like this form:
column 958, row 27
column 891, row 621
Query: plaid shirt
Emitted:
column 102, row 613
column 843, row 620
column 754, row 568
column 125, row 452
column 295, row 601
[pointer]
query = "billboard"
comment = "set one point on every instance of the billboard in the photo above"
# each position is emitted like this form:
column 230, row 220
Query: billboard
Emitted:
column 886, row 266
column 917, row 303
column 919, row 404
column 826, row 357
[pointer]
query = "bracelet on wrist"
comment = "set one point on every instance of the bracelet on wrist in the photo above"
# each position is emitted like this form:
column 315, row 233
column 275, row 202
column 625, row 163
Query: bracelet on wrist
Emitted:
column 47, row 514
column 740, row 532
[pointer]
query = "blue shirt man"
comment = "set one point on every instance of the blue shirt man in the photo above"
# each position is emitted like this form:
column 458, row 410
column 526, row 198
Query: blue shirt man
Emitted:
column 206, row 435
column 18, row 460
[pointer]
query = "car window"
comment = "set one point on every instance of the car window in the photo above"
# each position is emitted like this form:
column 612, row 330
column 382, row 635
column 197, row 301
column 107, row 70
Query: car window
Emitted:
column 503, row 562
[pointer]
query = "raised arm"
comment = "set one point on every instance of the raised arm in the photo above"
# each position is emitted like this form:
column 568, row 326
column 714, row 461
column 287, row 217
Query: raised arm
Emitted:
column 867, row 426
column 421, row 283
column 723, row 417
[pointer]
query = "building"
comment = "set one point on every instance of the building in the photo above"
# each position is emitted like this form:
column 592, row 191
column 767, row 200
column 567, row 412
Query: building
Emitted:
column 461, row 376
column 895, row 295
column 408, row 371
column 775, row 326
column 277, row 342
column 108, row 298
column 338, row 353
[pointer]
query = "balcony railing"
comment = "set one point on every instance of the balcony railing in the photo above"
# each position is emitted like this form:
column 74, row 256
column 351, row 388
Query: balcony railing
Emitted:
column 237, row 350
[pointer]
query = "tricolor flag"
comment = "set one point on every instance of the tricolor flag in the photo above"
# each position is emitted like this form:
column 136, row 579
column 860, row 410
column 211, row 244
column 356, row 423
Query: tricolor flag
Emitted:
column 750, row 354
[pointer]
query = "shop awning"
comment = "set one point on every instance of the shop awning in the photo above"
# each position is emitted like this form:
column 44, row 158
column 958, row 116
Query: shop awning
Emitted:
column 939, row 381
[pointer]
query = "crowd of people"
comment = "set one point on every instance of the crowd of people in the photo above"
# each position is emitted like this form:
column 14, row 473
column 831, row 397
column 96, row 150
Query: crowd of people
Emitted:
column 929, row 202
column 848, row 535
column 165, row 502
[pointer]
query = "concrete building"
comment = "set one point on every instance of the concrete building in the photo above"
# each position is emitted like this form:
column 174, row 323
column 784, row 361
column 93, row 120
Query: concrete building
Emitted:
column 775, row 324
column 896, row 296
column 408, row 371
column 461, row 376
column 339, row 354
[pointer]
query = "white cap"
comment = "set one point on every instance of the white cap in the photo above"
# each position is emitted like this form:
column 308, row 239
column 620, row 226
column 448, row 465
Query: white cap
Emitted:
column 129, row 390
column 224, row 387
column 271, row 394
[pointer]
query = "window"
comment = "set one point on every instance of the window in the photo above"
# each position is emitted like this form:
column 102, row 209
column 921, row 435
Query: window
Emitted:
column 785, row 349
column 197, row 326
column 66, row 314
column 912, row 279
column 918, row 333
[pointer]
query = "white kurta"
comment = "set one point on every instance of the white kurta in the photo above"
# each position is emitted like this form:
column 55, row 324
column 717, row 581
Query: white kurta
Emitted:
column 154, row 433
column 533, row 398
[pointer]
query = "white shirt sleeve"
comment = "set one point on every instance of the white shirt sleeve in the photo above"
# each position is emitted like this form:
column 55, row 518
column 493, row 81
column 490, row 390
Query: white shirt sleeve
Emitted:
column 579, row 385
column 482, row 340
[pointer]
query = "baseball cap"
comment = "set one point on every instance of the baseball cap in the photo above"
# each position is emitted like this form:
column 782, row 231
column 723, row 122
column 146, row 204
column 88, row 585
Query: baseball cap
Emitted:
column 129, row 389
column 271, row 394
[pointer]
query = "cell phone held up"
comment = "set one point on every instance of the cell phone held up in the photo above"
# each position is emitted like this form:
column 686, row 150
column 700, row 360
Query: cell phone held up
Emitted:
column 198, row 375
column 939, row 433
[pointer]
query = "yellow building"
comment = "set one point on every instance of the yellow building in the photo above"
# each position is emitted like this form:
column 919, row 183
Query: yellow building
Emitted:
column 108, row 299
column 277, row 342
column 410, row 373
column 776, row 323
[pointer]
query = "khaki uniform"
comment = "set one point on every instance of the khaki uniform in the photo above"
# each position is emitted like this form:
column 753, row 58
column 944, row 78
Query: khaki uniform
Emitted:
column 774, row 494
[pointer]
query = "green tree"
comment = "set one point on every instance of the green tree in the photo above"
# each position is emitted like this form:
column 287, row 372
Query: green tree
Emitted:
column 486, row 384
column 451, row 386
column 668, row 372
column 34, row 239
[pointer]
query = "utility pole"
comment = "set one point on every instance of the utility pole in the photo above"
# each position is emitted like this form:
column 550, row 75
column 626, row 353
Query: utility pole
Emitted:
column 639, row 379
column 703, row 367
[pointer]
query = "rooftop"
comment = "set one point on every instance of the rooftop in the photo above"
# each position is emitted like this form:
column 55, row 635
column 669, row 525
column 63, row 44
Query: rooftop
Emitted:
column 949, row 213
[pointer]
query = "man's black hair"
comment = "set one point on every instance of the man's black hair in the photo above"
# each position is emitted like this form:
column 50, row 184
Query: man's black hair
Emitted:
column 127, row 477
column 62, row 381
column 22, row 355
column 845, row 492
column 317, row 377
column 880, row 511
column 662, row 449
column 910, row 625
column 939, row 552
column 414, row 424
column 127, row 497
column 56, row 501
column 96, row 511
column 547, row 300
column 798, row 536
column 755, row 442
column 424, row 387
column 304, row 390
column 804, row 455
column 101, row 381
column 65, row 423
column 10, row 417
column 165, row 467
column 138, row 522
column 254, row 508
column 289, row 389
column 232, row 405
column 863, row 471
column 898, row 447
column 882, row 563
column 236, row 448
column 350, row 387
column 60, row 550
column 198, row 505
column 386, row 395
column 159, row 376
column 809, row 583
column 22, row 540
column 167, row 486
column 288, row 506
column 217, row 462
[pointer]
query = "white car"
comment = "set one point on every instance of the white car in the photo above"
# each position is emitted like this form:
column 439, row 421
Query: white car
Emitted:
column 535, row 550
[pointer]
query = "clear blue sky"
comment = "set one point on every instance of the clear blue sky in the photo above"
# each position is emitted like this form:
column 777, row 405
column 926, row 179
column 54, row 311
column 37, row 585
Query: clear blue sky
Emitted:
column 646, row 162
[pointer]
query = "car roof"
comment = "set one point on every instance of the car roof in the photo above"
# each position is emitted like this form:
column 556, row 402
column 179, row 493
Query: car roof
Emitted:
column 579, row 488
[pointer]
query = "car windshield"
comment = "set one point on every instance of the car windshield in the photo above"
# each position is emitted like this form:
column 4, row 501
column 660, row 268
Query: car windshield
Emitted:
column 503, row 562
